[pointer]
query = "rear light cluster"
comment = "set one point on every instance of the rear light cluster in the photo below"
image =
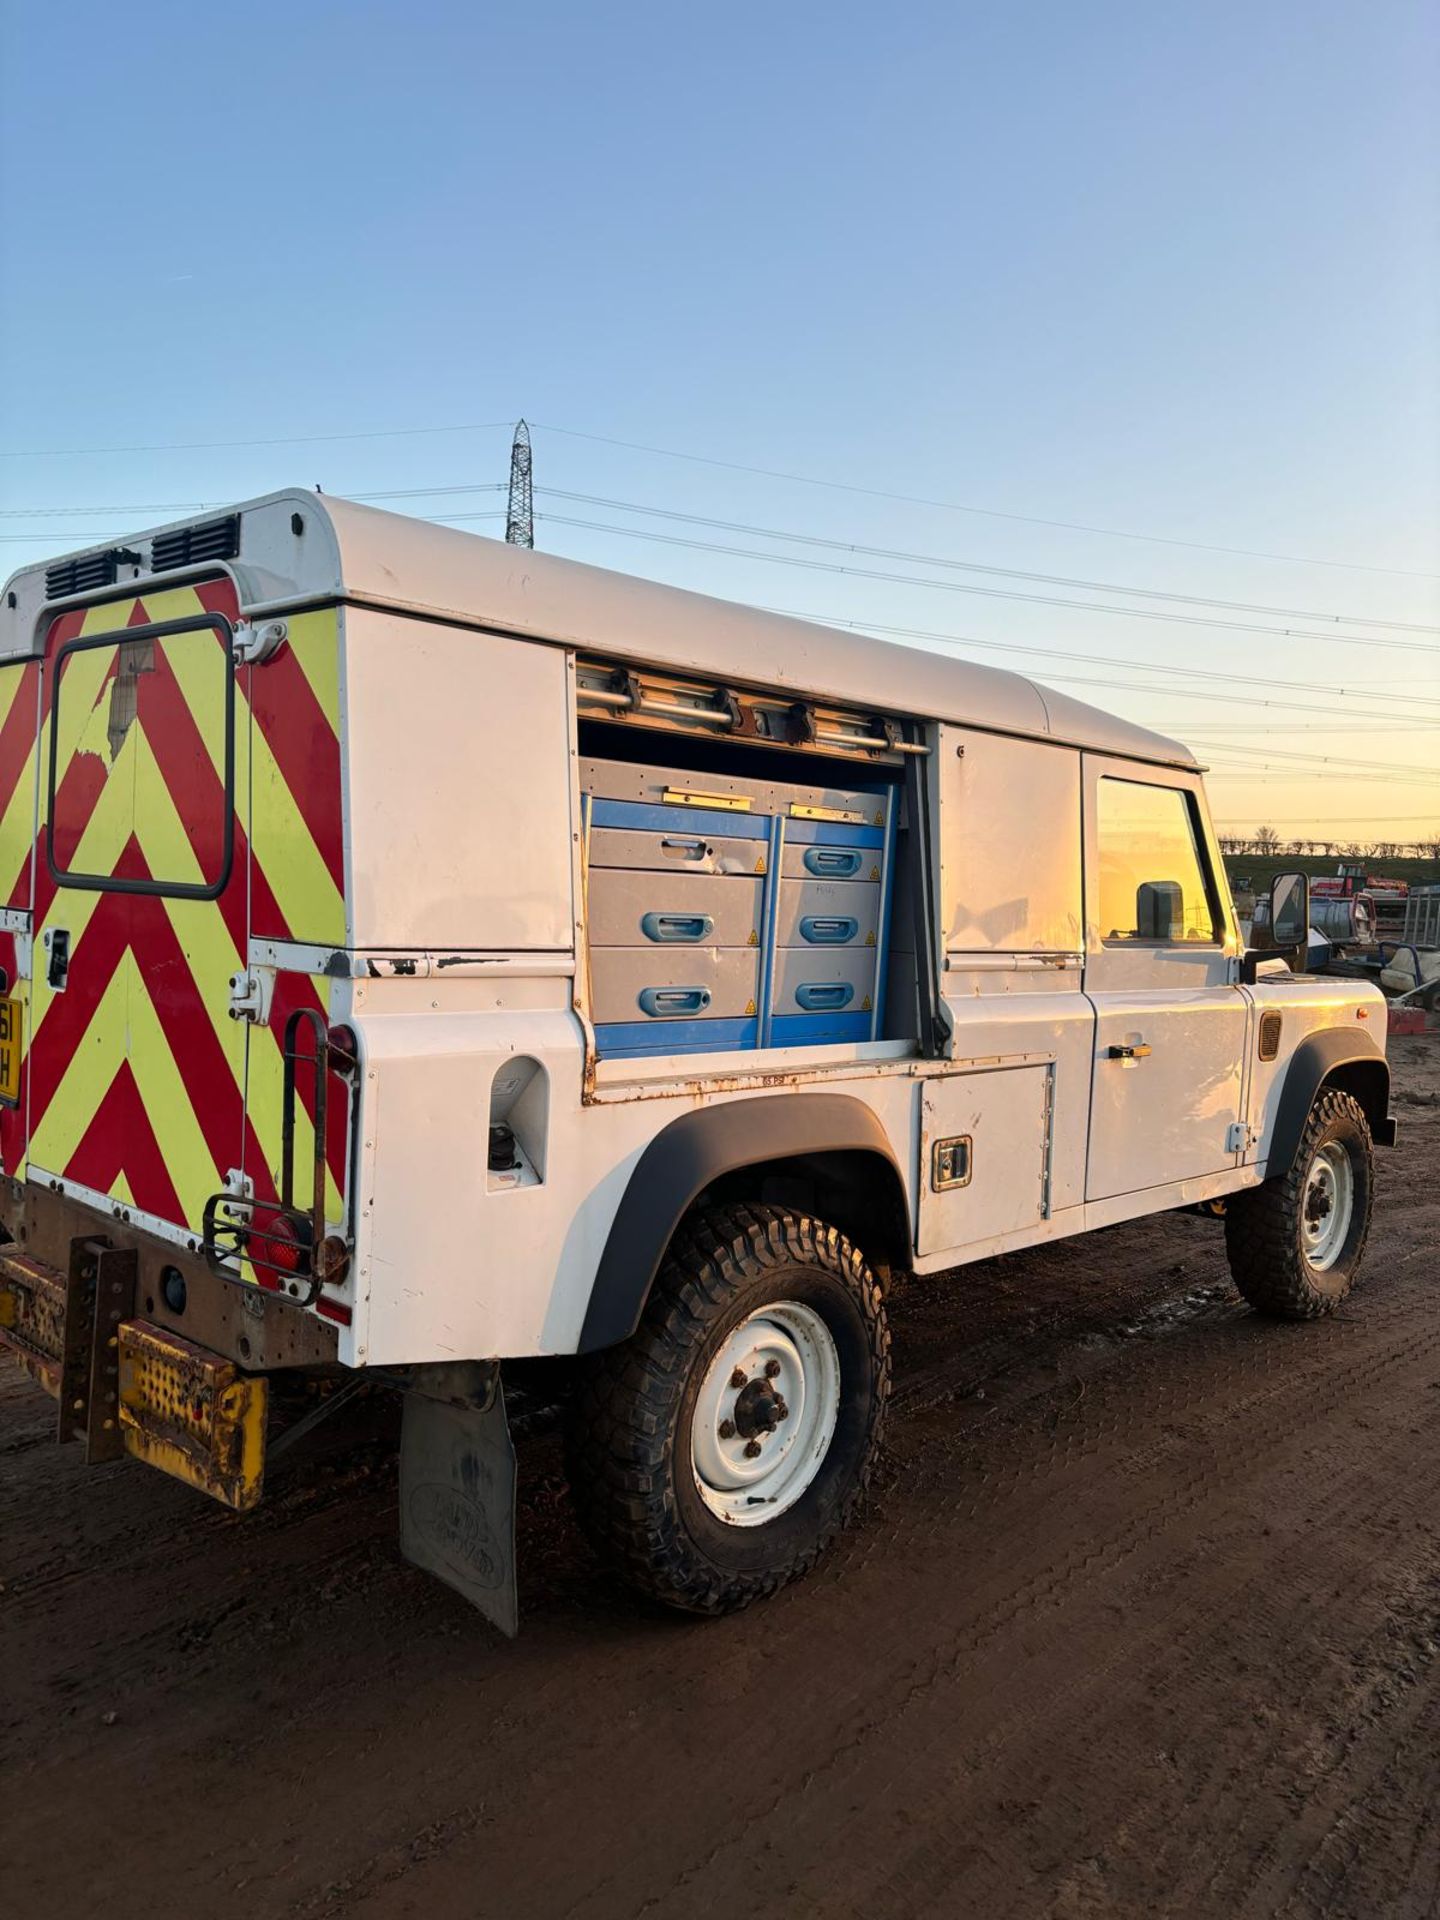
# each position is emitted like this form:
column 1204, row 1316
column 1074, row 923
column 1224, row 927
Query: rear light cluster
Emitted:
column 275, row 1245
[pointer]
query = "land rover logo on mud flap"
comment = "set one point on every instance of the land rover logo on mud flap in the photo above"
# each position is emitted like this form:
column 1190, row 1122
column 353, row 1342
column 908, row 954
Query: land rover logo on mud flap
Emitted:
column 456, row 1529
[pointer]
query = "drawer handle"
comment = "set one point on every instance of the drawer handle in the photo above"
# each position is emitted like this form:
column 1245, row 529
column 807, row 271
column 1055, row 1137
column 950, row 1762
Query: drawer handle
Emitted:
column 676, row 926
column 828, row 932
column 816, row 997
column 688, row 849
column 667, row 1003
column 835, row 863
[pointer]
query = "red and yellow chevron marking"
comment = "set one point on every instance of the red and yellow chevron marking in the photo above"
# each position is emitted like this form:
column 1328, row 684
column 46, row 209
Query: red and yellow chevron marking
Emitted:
column 137, row 1083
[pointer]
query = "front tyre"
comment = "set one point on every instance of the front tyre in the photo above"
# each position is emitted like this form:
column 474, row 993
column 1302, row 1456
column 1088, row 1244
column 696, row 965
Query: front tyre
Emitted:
column 716, row 1453
column 1295, row 1243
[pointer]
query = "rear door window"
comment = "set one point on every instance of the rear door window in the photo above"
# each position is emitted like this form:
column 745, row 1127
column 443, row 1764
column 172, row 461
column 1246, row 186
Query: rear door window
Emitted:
column 141, row 774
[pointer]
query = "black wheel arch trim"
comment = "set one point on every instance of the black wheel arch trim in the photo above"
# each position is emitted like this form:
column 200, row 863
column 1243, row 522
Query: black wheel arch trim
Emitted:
column 1322, row 1057
column 690, row 1154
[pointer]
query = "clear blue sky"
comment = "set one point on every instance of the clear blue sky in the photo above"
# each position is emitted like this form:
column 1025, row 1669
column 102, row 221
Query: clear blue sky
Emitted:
column 1173, row 269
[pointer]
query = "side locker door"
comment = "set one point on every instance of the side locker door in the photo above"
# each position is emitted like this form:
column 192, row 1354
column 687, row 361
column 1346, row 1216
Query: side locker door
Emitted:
column 1161, row 969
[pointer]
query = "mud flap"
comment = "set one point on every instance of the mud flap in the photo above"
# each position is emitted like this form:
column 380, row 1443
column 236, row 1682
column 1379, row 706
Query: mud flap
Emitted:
column 457, row 1490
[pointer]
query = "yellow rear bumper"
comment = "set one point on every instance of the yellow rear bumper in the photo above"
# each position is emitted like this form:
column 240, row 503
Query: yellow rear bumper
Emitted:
column 125, row 1386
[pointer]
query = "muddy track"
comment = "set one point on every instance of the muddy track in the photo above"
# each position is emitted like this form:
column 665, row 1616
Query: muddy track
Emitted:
column 1144, row 1620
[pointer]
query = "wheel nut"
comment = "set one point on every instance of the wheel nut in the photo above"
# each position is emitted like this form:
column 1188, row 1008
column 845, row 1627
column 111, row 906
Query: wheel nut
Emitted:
column 781, row 1409
column 772, row 1367
column 737, row 1378
column 752, row 1449
column 727, row 1429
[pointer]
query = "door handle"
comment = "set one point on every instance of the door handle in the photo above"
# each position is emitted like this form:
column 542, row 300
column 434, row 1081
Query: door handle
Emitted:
column 818, row 996
column 676, row 926
column 666, row 1003
column 833, row 863
column 1138, row 1052
column 823, row 930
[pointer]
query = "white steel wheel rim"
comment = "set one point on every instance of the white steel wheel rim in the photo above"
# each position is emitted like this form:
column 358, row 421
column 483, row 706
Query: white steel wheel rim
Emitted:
column 765, row 1414
column 1328, row 1206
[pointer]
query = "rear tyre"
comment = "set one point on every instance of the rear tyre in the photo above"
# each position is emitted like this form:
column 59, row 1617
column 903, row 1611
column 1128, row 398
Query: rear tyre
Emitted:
column 1295, row 1243
column 716, row 1454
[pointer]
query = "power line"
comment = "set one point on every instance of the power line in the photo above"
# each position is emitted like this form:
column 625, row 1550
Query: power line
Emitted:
column 1317, row 761
column 1265, row 775
column 877, row 627
column 202, row 506
column 989, row 593
column 1197, row 693
column 210, row 446
column 33, row 539
column 806, row 539
column 992, row 513
column 731, row 466
column 1334, row 819
column 977, row 566
column 1305, row 726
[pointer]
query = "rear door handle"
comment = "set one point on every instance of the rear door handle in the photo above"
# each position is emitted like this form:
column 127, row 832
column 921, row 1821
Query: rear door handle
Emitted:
column 1138, row 1052
column 57, row 939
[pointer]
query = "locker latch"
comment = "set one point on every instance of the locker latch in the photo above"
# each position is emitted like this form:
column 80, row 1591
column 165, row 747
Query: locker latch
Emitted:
column 950, row 1163
column 56, row 942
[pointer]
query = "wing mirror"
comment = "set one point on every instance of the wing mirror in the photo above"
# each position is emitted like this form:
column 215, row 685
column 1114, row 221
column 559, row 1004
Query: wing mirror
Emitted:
column 1287, row 919
column 1290, row 909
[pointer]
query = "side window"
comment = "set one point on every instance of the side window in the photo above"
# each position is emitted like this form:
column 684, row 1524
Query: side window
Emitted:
column 1153, row 888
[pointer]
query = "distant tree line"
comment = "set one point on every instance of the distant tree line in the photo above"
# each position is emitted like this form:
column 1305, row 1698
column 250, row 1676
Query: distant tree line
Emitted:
column 1266, row 843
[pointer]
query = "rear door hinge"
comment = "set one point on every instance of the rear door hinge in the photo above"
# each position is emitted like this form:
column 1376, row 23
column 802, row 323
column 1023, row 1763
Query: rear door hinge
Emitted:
column 251, row 992
column 1240, row 1138
column 254, row 643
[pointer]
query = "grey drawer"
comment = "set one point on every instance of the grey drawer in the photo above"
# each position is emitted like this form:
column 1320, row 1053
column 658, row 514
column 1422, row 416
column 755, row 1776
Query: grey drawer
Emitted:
column 830, row 863
column 672, row 983
column 821, row 980
column 679, row 851
column 637, row 906
column 828, row 913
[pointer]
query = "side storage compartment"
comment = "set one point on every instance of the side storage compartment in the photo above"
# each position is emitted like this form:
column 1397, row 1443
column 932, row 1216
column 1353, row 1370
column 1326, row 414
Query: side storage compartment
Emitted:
column 735, row 912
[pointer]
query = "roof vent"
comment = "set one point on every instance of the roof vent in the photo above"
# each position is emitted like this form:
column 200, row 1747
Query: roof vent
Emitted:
column 193, row 546
column 83, row 574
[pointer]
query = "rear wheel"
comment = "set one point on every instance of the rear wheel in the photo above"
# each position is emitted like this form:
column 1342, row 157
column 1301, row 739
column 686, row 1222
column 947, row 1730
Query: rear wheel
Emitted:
column 1295, row 1243
column 717, row 1452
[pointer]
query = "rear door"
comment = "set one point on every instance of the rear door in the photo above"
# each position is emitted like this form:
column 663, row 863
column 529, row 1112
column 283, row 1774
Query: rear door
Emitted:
column 135, row 1069
column 1160, row 970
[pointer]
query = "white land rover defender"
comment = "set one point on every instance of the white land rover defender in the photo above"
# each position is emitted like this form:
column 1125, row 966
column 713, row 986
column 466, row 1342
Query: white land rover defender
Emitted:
column 425, row 957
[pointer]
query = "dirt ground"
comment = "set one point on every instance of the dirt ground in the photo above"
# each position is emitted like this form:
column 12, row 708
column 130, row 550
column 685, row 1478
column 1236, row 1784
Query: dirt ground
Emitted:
column 1144, row 1620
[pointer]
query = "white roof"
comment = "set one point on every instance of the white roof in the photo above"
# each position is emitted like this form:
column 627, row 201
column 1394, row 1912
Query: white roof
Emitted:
column 364, row 554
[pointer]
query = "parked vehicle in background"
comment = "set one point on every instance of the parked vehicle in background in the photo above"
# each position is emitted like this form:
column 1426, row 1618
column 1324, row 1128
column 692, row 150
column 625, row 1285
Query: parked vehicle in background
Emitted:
column 437, row 958
column 1344, row 920
column 1386, row 897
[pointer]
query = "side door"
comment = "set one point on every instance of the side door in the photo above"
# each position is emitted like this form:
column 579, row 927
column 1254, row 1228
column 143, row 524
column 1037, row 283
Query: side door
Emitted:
column 1161, row 970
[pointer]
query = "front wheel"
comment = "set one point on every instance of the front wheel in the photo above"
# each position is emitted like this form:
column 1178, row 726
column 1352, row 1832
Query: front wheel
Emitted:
column 719, row 1450
column 1295, row 1243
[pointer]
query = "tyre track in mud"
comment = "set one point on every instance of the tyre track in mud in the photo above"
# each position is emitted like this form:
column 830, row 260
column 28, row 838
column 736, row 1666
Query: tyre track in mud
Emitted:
column 1150, row 1630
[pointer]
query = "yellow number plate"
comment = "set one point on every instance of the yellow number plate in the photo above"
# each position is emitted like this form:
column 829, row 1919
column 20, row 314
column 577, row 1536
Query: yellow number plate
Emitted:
column 9, row 1052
